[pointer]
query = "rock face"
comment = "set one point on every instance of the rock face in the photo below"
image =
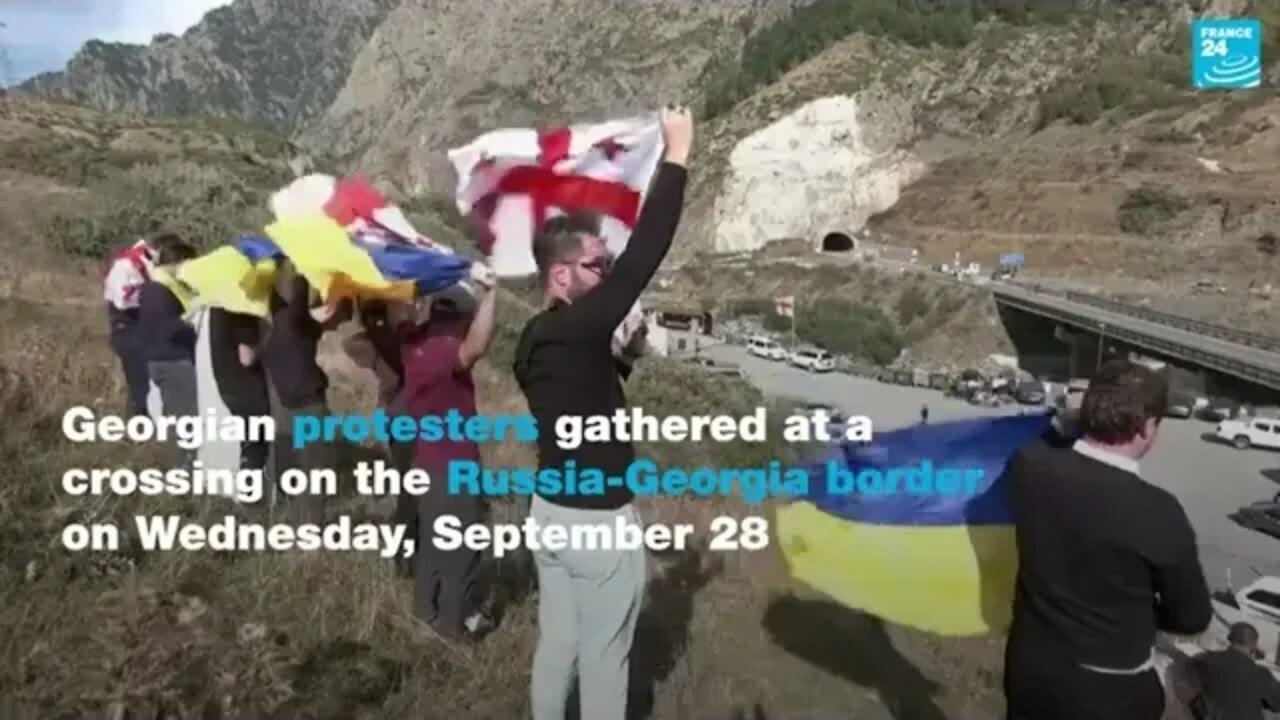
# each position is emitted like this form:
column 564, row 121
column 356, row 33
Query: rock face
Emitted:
column 824, row 168
column 439, row 72
column 277, row 63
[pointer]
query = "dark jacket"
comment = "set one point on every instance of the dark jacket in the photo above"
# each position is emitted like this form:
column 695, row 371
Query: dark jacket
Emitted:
column 289, row 354
column 1234, row 687
column 166, row 336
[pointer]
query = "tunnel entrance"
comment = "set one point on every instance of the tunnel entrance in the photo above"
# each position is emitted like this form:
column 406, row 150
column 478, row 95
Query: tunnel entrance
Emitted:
column 837, row 242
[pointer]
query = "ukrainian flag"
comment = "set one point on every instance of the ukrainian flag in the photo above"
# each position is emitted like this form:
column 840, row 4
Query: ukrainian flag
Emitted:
column 339, row 267
column 240, row 277
column 237, row 278
column 932, row 551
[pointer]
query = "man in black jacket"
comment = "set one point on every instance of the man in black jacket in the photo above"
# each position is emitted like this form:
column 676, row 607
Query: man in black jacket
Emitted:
column 297, row 384
column 589, row 600
column 1233, row 686
column 1105, row 561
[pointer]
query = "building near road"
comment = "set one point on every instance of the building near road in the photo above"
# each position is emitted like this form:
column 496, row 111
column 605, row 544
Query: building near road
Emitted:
column 666, row 342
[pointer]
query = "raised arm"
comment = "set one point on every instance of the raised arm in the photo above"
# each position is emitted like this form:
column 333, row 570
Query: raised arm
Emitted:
column 1183, row 606
column 480, row 334
column 599, row 311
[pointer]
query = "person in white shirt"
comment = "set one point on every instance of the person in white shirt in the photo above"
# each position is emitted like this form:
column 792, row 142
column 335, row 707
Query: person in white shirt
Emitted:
column 128, row 270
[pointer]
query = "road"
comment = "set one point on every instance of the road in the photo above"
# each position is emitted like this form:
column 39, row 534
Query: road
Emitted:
column 1210, row 479
column 1176, row 337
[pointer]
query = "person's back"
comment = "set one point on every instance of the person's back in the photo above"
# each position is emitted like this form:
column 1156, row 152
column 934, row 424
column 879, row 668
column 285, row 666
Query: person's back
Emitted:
column 235, row 342
column 239, row 382
column 169, row 341
column 1090, row 576
column 1233, row 686
column 1105, row 561
column 298, row 385
column 289, row 354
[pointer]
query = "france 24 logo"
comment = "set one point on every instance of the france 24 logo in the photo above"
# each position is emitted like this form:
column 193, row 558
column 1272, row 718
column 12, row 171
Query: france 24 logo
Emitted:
column 1226, row 54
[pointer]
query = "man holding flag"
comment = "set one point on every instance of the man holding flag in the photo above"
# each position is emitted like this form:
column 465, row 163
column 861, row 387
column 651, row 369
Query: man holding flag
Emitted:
column 589, row 600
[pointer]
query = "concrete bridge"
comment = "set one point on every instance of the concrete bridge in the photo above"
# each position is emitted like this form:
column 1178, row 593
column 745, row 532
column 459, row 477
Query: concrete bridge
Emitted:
column 1072, row 333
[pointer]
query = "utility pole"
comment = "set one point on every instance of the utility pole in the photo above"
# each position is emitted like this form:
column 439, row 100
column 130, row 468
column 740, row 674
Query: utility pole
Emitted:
column 794, row 310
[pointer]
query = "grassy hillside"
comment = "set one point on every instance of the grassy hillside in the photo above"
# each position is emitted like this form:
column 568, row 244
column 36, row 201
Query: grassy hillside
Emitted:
column 131, row 634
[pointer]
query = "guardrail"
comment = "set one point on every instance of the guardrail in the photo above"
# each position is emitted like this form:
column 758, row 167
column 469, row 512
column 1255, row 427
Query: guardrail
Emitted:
column 1220, row 332
column 1222, row 363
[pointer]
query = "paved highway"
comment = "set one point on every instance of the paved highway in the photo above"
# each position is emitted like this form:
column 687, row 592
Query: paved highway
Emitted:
column 1117, row 322
column 1211, row 480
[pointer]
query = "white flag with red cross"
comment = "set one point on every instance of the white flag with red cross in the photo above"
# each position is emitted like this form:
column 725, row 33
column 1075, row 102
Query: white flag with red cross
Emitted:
column 510, row 181
column 785, row 305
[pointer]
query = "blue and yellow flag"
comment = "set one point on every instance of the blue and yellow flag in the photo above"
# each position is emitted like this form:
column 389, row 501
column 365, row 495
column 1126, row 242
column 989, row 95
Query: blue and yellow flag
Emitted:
column 339, row 267
column 237, row 278
column 240, row 277
column 915, row 526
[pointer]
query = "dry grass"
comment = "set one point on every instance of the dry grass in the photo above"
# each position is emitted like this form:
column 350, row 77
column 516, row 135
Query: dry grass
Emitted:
column 331, row 636
column 205, row 635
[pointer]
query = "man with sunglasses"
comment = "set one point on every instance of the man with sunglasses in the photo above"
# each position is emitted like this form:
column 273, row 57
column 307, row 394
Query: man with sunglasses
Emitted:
column 589, row 599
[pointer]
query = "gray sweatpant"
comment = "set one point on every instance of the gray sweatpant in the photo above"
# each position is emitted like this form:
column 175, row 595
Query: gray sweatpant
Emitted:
column 176, row 380
column 588, row 605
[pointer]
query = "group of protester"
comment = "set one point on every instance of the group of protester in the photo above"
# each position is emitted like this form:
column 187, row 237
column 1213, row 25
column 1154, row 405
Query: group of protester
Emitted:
column 1105, row 559
column 569, row 361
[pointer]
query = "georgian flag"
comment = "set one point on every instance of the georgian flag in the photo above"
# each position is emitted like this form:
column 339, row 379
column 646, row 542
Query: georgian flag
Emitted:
column 510, row 181
column 125, row 275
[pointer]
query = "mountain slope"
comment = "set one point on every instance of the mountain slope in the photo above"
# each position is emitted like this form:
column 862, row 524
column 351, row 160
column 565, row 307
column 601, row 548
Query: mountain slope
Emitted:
column 277, row 63
column 440, row 71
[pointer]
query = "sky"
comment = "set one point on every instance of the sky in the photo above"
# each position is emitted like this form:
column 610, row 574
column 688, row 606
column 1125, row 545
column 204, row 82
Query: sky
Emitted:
column 42, row 35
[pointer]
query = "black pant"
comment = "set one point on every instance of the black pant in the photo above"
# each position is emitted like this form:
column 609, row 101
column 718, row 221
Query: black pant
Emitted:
column 1079, row 694
column 406, row 510
column 446, row 582
column 134, row 363
column 307, row 507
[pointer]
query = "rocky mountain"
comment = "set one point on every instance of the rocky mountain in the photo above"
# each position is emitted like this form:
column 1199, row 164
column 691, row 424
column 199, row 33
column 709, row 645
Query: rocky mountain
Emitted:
column 440, row 71
column 981, row 127
column 277, row 63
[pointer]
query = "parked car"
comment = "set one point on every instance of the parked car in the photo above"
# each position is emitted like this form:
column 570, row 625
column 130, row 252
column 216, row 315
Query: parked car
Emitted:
column 714, row 367
column 1180, row 406
column 1260, row 432
column 1218, row 409
column 1030, row 392
column 1263, row 517
column 813, row 359
column 1074, row 395
column 837, row 417
column 766, row 348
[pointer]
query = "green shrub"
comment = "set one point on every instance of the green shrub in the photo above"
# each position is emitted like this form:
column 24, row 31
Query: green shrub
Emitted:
column 859, row 330
column 812, row 28
column 204, row 205
column 1147, row 206
column 912, row 303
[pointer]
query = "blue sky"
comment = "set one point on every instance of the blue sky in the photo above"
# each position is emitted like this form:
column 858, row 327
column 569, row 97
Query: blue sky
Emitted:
column 41, row 35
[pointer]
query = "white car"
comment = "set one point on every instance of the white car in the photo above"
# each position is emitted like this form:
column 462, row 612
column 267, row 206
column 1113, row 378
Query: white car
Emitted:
column 814, row 360
column 714, row 367
column 766, row 348
column 1262, row 432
